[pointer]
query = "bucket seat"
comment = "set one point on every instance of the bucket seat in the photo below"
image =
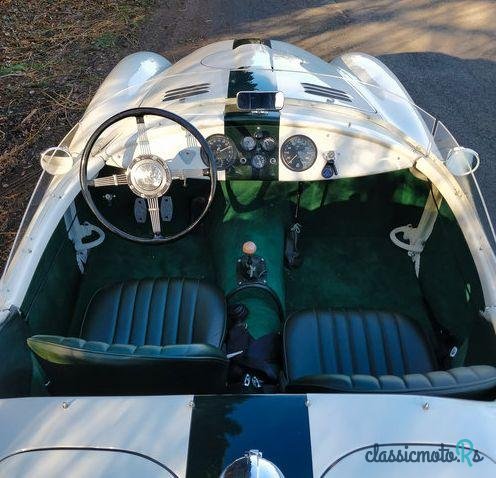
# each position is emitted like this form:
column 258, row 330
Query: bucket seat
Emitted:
column 142, row 337
column 366, row 351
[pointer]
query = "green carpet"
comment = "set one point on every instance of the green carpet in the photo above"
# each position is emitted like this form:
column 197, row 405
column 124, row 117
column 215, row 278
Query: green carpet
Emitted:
column 251, row 211
column 348, row 258
column 358, row 272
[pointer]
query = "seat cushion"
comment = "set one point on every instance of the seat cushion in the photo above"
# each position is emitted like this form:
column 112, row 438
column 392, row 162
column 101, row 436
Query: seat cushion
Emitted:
column 354, row 342
column 76, row 366
column 476, row 381
column 156, row 312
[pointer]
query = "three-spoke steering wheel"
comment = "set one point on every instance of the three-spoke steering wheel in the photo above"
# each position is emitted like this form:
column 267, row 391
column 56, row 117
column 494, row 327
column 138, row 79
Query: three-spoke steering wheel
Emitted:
column 148, row 175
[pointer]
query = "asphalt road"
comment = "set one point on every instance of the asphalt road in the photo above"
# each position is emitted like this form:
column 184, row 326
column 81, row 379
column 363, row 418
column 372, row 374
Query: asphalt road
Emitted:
column 444, row 52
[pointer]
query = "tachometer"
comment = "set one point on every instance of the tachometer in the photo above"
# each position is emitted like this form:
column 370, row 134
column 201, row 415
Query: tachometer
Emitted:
column 298, row 152
column 224, row 151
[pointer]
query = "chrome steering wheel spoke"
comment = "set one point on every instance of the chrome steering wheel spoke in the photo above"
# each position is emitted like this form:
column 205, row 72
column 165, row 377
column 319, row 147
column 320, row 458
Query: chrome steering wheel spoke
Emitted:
column 113, row 180
column 154, row 210
column 143, row 143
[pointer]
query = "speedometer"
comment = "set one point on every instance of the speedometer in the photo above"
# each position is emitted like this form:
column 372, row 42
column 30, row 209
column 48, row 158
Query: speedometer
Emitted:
column 298, row 152
column 224, row 151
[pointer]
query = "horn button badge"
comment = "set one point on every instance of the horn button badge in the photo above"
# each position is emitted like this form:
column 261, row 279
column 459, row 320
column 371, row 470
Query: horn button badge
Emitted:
column 149, row 176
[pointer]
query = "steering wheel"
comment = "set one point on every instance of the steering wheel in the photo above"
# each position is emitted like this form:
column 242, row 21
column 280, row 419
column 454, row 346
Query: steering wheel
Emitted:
column 148, row 175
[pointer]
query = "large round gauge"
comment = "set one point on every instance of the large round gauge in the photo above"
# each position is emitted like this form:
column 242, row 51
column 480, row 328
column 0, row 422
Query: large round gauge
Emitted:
column 224, row 151
column 298, row 152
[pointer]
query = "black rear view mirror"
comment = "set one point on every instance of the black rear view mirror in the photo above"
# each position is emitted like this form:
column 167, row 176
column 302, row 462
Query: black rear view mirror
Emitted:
column 260, row 100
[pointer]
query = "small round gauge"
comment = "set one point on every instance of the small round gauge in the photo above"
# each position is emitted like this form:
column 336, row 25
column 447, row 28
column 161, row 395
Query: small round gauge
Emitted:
column 298, row 152
column 258, row 161
column 224, row 151
column 268, row 144
column 248, row 143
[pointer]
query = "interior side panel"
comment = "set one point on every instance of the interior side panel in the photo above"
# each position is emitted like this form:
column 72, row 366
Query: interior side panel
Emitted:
column 49, row 303
column 15, row 358
column 452, row 289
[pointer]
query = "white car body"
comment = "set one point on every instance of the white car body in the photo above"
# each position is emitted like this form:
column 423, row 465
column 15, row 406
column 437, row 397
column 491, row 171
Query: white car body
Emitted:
column 379, row 130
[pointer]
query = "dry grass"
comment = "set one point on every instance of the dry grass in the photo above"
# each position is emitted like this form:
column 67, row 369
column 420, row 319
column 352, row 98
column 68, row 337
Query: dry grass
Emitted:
column 53, row 56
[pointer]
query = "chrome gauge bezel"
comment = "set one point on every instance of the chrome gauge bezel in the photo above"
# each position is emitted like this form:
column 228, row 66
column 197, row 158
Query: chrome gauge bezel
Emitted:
column 260, row 162
column 268, row 144
column 248, row 143
column 309, row 141
column 222, row 165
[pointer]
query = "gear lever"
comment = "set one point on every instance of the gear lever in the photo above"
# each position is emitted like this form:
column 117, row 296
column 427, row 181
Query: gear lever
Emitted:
column 249, row 249
column 251, row 268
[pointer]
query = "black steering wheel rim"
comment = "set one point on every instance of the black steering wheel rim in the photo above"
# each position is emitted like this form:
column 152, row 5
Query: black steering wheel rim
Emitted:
column 140, row 112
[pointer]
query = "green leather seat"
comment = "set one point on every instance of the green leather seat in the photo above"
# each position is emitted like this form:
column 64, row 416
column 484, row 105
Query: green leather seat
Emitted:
column 142, row 337
column 369, row 351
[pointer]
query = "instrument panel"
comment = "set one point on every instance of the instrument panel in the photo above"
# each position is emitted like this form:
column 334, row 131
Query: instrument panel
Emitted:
column 255, row 156
column 246, row 152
